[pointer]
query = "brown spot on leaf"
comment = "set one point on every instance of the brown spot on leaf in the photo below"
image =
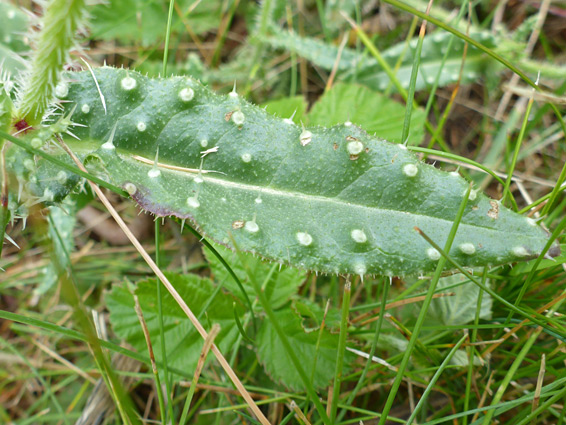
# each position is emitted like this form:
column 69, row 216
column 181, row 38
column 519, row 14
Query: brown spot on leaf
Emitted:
column 354, row 157
column 351, row 138
column 238, row 224
column 335, row 146
column 494, row 210
column 228, row 116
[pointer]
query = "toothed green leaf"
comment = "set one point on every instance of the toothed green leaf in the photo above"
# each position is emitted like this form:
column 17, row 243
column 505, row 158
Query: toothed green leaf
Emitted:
column 282, row 285
column 326, row 199
column 355, row 103
column 182, row 342
column 278, row 365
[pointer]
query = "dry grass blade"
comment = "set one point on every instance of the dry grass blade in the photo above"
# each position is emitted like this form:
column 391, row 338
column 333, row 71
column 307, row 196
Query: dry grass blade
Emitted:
column 194, row 320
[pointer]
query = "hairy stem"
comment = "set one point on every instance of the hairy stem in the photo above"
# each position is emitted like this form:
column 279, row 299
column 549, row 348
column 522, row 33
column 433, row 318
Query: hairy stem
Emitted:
column 60, row 23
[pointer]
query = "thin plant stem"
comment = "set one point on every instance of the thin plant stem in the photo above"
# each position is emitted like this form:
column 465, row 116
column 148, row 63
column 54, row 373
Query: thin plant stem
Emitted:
column 518, row 143
column 154, row 371
column 413, row 80
column 341, row 350
column 435, row 378
column 472, row 349
column 200, row 365
column 372, row 350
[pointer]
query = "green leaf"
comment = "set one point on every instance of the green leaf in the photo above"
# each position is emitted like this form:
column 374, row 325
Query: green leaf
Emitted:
column 327, row 199
column 144, row 20
column 364, row 69
column 13, row 26
column 182, row 343
column 278, row 365
column 460, row 308
column 287, row 107
column 60, row 230
column 313, row 314
column 372, row 111
column 282, row 285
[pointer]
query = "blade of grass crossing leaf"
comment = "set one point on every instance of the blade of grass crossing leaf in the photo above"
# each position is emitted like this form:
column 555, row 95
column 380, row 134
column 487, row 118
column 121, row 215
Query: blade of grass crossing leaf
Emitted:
column 63, row 165
column 424, row 309
column 518, row 143
column 413, row 80
column 341, row 350
column 472, row 349
column 284, row 341
column 436, row 82
column 158, row 262
column 205, row 349
column 435, row 378
column 378, row 327
column 495, row 295
column 154, row 370
column 515, row 366
column 230, row 271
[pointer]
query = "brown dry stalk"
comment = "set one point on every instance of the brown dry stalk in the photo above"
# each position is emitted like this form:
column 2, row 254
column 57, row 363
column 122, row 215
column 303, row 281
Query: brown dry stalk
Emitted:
column 200, row 329
column 204, row 352
column 298, row 413
column 396, row 304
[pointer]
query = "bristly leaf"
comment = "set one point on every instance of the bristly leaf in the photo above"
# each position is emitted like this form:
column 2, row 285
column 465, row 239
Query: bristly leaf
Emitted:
column 326, row 199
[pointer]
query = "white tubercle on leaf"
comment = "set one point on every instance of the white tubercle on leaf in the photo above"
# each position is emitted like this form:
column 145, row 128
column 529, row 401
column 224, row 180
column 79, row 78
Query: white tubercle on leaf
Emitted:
column 128, row 83
column 61, row 90
column 355, row 147
column 360, row 269
column 251, row 226
column 467, row 248
column 304, row 238
column 193, row 202
column 85, row 108
column 154, row 172
column 410, row 170
column 130, row 188
column 359, row 236
column 433, row 254
column 520, row 251
column 187, row 94
column 141, row 126
column 246, row 157
column 204, row 143
column 305, row 138
column 238, row 118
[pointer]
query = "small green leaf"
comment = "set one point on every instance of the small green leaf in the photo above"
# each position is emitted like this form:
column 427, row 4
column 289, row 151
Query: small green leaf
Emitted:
column 282, row 285
column 287, row 107
column 182, row 343
column 371, row 110
column 278, row 365
column 460, row 308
